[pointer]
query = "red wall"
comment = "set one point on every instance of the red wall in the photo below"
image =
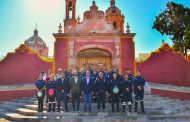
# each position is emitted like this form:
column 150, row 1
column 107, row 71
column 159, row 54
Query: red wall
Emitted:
column 171, row 94
column 21, row 67
column 8, row 95
column 166, row 67
column 127, row 54
column 61, row 52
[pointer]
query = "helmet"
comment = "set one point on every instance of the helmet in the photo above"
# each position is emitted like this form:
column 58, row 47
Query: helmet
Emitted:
column 51, row 92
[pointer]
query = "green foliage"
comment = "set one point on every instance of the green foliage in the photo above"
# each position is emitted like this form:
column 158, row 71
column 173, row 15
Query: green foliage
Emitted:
column 174, row 21
column 140, row 59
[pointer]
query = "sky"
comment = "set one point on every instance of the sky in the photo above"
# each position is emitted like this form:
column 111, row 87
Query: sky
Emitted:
column 18, row 19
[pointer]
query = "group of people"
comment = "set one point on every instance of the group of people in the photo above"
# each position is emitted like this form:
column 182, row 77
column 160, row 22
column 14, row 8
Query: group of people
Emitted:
column 89, row 85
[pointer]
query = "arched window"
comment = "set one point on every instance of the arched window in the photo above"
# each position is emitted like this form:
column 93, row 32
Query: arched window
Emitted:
column 40, row 52
column 114, row 25
column 70, row 9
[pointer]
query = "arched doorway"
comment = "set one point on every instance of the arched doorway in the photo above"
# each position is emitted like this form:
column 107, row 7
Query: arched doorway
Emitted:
column 94, row 57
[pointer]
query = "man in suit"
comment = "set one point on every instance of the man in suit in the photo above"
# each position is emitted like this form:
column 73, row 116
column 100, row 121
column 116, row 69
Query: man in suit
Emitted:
column 62, row 85
column 87, row 90
column 75, row 86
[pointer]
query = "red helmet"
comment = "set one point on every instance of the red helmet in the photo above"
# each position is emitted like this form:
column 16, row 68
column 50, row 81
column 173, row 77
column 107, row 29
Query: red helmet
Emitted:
column 51, row 92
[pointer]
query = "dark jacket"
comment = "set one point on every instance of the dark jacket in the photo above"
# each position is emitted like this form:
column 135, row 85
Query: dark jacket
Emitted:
column 126, row 84
column 51, row 85
column 139, row 81
column 40, row 84
column 87, row 89
column 101, row 85
column 115, row 83
column 75, row 87
column 131, row 77
column 62, row 85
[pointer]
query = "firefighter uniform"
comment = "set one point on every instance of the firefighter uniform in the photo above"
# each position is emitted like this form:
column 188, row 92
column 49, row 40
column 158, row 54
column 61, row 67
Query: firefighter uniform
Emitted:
column 51, row 94
column 101, row 88
column 127, row 93
column 40, row 92
column 115, row 89
column 139, row 83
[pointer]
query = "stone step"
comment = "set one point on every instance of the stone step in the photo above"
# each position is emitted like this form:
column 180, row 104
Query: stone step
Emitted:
column 12, row 116
column 108, row 107
column 146, row 103
column 13, row 103
column 93, row 118
column 106, row 117
column 157, row 109
column 148, row 97
column 94, row 105
column 4, row 120
column 31, row 112
column 180, row 109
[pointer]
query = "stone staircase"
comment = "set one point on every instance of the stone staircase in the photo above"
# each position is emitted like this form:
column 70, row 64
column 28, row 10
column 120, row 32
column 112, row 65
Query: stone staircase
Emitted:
column 157, row 109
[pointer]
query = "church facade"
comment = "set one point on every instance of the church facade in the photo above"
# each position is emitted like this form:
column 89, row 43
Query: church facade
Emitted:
column 98, row 40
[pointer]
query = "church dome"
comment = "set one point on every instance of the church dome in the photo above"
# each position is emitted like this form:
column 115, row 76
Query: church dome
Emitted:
column 35, row 39
column 37, row 44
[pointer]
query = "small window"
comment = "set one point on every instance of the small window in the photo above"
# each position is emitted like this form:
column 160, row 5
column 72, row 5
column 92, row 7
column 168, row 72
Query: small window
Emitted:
column 113, row 11
column 40, row 52
column 70, row 9
column 114, row 25
column 70, row 5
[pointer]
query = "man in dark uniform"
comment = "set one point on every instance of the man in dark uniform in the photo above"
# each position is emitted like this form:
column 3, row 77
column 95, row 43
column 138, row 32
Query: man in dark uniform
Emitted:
column 128, row 71
column 83, row 73
column 51, row 93
column 87, row 90
column 66, row 72
column 139, row 83
column 79, row 72
column 110, row 74
column 127, row 91
column 57, row 76
column 100, row 70
column 120, row 77
column 101, row 88
column 62, row 85
column 70, row 75
column 75, row 86
column 131, row 77
column 40, row 91
column 110, row 77
column 115, row 89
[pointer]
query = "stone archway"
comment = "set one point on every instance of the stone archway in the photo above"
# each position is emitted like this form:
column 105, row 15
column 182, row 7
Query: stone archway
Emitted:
column 94, row 57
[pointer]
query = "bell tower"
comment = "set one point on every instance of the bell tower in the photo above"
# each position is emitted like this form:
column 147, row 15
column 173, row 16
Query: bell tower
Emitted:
column 70, row 19
column 114, row 16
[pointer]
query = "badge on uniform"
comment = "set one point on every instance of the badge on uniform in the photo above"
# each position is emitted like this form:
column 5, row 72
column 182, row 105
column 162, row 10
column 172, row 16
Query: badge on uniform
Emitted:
column 39, row 93
column 115, row 90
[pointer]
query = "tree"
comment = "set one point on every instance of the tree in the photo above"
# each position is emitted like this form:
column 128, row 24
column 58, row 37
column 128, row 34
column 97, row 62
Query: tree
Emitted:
column 174, row 21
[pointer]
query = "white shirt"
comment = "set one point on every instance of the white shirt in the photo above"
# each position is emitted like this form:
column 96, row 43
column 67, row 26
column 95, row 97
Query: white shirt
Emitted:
column 76, row 80
column 88, row 79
